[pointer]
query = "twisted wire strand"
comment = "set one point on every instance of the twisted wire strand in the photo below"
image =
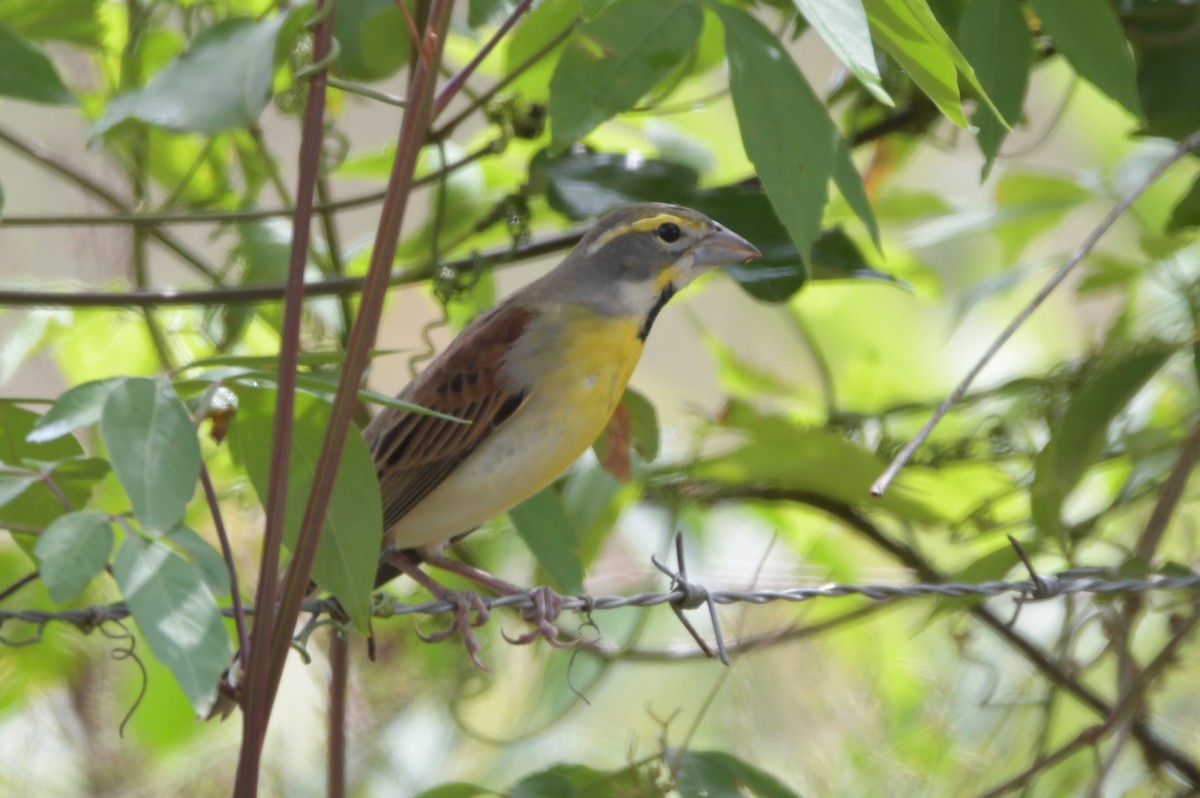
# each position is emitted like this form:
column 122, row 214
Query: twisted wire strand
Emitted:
column 1044, row 587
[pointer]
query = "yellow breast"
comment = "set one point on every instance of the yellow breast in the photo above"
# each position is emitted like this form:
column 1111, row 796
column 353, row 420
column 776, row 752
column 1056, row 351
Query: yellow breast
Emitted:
column 576, row 364
column 576, row 397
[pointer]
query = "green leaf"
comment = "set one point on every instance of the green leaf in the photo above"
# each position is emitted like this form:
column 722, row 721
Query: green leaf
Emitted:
column 207, row 560
column 1029, row 204
column 485, row 12
column 835, row 256
column 37, row 328
column 1186, row 212
column 716, row 774
column 176, row 615
column 348, row 552
column 1166, row 79
column 843, row 26
column 849, row 182
column 1032, row 203
column 1088, row 35
column 614, row 60
column 223, row 82
column 786, row 131
column 997, row 42
column 27, row 74
column 644, row 433
column 584, row 185
column 782, row 454
column 71, row 551
column 13, row 485
column 1078, row 438
column 455, row 789
column 544, row 785
column 577, row 781
column 546, row 528
column 264, row 248
column 73, row 21
column 38, row 505
column 374, row 38
column 911, row 34
column 152, row 444
column 1105, row 271
column 79, row 407
column 197, row 170
column 531, row 37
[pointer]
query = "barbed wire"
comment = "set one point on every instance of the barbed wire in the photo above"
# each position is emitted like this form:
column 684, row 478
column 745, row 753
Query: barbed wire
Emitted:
column 689, row 595
column 683, row 595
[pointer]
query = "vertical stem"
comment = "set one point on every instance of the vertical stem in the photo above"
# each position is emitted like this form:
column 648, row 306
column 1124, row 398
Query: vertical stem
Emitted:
column 258, row 694
column 132, row 77
column 235, row 588
column 339, row 667
column 333, row 242
column 413, row 130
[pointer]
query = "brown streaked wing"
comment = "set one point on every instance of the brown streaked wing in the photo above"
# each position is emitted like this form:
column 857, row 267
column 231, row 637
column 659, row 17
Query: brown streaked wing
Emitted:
column 415, row 453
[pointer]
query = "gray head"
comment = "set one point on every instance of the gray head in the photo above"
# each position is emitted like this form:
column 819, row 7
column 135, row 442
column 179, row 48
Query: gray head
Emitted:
column 635, row 258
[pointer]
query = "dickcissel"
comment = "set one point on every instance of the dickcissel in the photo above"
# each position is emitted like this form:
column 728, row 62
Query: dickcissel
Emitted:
column 537, row 377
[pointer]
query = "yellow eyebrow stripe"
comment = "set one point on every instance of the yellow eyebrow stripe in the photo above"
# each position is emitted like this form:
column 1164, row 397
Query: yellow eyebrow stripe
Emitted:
column 639, row 226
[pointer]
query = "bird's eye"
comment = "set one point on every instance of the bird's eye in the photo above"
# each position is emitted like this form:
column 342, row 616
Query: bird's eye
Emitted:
column 669, row 232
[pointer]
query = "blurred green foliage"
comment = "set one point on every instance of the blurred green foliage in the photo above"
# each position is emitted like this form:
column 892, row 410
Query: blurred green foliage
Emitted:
column 832, row 135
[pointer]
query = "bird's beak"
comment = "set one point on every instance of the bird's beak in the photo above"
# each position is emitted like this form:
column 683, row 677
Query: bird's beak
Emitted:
column 723, row 248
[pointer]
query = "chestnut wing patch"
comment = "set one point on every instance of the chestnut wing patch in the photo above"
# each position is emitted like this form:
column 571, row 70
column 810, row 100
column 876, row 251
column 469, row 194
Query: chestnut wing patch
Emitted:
column 415, row 453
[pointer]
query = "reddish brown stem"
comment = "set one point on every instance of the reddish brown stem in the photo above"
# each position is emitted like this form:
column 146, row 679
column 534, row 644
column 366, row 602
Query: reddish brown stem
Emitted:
column 339, row 676
column 412, row 135
column 261, row 679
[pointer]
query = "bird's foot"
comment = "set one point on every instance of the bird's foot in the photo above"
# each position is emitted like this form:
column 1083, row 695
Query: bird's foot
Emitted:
column 465, row 602
column 547, row 604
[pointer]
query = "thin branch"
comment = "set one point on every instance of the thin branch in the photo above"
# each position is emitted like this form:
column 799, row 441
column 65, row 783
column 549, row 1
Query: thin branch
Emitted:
column 250, row 294
column 239, row 613
column 149, row 218
column 179, row 217
column 17, row 585
column 81, row 180
column 261, row 680
column 445, row 130
column 1125, row 708
column 1168, row 496
column 453, row 85
column 333, row 245
column 369, row 93
column 1184, row 147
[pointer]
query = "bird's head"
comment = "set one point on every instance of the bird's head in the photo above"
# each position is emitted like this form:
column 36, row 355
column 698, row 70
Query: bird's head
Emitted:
column 636, row 258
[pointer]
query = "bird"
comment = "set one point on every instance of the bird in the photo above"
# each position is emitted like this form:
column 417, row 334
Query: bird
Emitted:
column 527, row 387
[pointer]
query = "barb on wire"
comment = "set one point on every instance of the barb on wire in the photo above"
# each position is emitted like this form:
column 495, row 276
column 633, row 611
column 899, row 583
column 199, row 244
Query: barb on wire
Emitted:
column 1042, row 587
column 693, row 596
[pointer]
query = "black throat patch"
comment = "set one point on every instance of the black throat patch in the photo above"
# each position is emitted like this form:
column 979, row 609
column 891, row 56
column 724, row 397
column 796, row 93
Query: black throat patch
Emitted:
column 663, row 298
